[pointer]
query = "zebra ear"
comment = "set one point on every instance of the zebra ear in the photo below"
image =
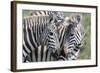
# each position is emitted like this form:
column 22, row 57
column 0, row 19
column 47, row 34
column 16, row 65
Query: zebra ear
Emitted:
column 76, row 18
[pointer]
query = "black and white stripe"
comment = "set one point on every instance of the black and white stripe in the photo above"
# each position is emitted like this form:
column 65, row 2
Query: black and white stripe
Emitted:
column 52, row 41
column 71, row 38
column 45, row 38
column 38, row 41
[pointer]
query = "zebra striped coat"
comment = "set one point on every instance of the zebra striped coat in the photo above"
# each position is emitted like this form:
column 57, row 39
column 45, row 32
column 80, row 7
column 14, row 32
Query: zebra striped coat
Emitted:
column 71, row 38
column 40, row 39
column 46, row 38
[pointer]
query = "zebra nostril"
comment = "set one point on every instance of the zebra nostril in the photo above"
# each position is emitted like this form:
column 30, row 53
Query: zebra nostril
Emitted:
column 72, row 34
column 51, row 33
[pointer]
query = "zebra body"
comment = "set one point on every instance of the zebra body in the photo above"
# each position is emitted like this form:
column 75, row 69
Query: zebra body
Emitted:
column 38, row 41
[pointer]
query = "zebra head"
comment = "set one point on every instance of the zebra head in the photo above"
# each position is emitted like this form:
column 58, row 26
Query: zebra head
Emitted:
column 50, row 37
column 73, row 36
column 75, row 19
column 58, row 17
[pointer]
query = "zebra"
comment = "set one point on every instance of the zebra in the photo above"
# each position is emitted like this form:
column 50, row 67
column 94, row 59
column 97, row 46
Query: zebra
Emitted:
column 71, row 37
column 50, row 39
column 37, row 30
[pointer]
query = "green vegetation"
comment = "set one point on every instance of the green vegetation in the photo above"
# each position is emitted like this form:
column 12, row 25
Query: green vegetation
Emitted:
column 85, row 52
column 25, row 13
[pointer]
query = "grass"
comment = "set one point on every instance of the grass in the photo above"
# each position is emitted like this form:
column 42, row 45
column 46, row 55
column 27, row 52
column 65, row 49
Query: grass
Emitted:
column 85, row 52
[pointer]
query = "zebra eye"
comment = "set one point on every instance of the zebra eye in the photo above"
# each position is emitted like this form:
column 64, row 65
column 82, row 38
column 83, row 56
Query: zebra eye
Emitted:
column 51, row 33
